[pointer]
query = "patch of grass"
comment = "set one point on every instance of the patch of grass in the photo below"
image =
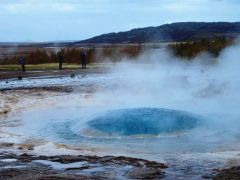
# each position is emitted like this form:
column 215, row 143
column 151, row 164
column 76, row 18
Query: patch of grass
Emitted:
column 30, row 67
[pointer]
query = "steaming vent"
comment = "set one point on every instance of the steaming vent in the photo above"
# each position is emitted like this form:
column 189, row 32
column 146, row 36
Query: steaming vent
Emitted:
column 143, row 121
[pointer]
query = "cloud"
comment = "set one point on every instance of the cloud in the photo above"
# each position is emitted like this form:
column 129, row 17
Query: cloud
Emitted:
column 35, row 20
column 52, row 6
column 26, row 7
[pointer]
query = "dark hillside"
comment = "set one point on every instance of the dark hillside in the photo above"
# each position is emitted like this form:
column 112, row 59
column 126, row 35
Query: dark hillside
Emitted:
column 176, row 32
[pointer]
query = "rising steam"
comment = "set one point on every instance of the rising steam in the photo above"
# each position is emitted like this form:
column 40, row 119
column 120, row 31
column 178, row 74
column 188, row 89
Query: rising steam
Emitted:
column 205, row 86
column 157, row 82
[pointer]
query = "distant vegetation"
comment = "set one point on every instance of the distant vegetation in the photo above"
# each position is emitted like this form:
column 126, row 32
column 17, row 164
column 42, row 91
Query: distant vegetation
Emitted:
column 116, row 53
column 72, row 55
column 190, row 50
column 42, row 56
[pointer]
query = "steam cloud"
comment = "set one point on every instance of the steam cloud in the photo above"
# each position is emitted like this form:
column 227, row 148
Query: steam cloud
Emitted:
column 205, row 85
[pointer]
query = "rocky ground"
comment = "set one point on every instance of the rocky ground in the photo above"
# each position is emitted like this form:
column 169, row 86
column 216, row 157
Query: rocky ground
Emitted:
column 9, row 98
column 9, row 74
column 232, row 173
column 26, row 166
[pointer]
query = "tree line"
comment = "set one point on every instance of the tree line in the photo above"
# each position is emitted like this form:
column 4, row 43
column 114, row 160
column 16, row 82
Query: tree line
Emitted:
column 41, row 56
column 190, row 50
column 115, row 53
column 72, row 55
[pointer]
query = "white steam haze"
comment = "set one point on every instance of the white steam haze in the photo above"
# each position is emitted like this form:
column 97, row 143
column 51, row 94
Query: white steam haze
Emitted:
column 204, row 86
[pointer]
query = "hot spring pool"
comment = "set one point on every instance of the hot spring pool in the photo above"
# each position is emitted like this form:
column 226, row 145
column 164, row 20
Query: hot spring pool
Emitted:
column 148, row 132
column 143, row 121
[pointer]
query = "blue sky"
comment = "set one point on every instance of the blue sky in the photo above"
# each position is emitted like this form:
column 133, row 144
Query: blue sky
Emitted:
column 49, row 20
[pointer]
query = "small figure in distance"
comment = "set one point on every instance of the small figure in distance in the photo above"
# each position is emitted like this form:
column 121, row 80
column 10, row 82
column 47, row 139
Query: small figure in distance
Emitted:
column 60, row 60
column 22, row 63
column 83, row 58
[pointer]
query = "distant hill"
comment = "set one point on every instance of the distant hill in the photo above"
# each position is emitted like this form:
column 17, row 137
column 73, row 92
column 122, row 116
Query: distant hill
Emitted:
column 175, row 32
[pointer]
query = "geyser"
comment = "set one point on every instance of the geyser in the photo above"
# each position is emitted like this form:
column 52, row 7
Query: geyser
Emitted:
column 143, row 121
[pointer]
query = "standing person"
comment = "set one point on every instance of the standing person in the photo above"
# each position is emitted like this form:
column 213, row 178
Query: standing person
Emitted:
column 60, row 60
column 83, row 58
column 22, row 63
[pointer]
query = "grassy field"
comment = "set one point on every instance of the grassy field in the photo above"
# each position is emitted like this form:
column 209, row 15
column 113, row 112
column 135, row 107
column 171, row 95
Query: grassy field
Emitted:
column 15, row 67
column 31, row 67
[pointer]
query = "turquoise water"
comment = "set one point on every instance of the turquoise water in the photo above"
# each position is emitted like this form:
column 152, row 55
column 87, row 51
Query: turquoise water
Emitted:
column 149, row 131
column 144, row 121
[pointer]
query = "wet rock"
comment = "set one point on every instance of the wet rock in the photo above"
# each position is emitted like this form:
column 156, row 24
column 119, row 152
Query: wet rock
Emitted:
column 228, row 174
column 145, row 173
column 19, row 77
column 72, row 75
column 25, row 157
column 78, row 167
column 39, row 173
column 5, row 110
column 208, row 176
column 26, row 147
column 30, row 148
column 5, row 144
column 65, row 89
column 9, row 173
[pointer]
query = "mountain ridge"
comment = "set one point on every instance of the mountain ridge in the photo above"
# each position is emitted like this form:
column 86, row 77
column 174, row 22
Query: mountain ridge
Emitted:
column 174, row 32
